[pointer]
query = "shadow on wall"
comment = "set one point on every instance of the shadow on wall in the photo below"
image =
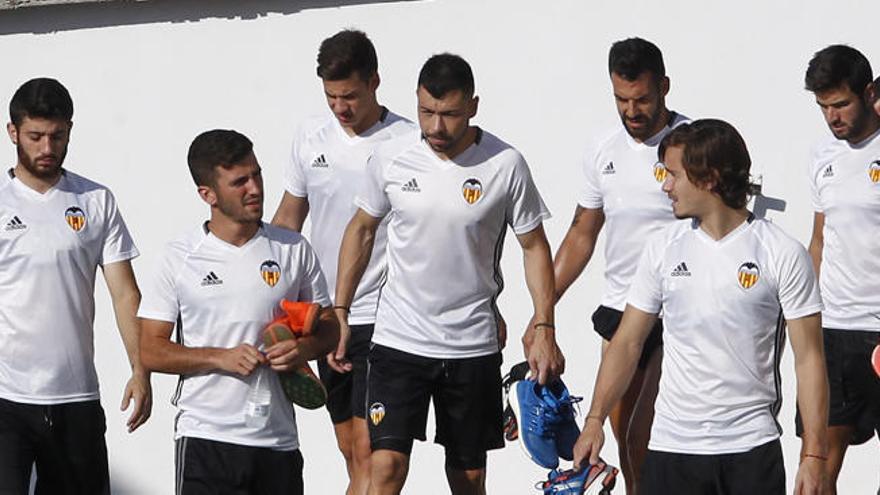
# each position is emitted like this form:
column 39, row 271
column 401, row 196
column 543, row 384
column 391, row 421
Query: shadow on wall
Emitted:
column 55, row 18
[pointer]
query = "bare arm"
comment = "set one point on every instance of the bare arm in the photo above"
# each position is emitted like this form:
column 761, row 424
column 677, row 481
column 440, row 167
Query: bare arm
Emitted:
column 292, row 212
column 354, row 256
column 615, row 372
column 158, row 353
column 577, row 247
column 812, row 396
column 817, row 241
column 545, row 359
column 126, row 297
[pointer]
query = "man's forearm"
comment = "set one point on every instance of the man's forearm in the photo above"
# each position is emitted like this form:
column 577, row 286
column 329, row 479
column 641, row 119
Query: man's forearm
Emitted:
column 169, row 357
column 125, row 309
column 812, row 394
column 354, row 256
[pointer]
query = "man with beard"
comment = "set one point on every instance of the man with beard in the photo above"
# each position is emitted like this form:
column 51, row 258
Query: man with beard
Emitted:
column 221, row 284
column 727, row 283
column 56, row 229
column 327, row 168
column 621, row 191
column 845, row 246
column 450, row 193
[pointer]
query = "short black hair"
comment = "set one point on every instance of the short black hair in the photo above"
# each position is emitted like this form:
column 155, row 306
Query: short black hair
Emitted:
column 631, row 57
column 216, row 148
column 714, row 151
column 43, row 98
column 835, row 65
column 345, row 53
column 444, row 73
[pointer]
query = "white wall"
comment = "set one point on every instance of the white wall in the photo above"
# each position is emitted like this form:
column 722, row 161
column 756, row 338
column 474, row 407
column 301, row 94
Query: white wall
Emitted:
column 147, row 78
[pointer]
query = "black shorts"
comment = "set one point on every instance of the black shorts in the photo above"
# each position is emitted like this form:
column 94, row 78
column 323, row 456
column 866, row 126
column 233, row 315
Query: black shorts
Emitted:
column 854, row 386
column 207, row 467
column 347, row 392
column 467, row 403
column 66, row 441
column 605, row 323
column 758, row 471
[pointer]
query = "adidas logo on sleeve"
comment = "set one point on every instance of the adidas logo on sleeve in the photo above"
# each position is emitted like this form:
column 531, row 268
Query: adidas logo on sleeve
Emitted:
column 211, row 279
column 411, row 186
column 609, row 169
column 681, row 270
column 829, row 172
column 320, row 162
column 14, row 223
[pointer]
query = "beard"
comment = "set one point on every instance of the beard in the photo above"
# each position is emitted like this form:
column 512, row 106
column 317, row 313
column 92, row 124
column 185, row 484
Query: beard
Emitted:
column 238, row 212
column 649, row 124
column 41, row 171
column 858, row 126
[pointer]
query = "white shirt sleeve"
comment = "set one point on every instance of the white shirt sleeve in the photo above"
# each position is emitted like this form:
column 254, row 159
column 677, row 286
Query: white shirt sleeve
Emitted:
column 646, row 290
column 590, row 194
column 813, row 175
column 372, row 197
column 118, row 244
column 294, row 178
column 525, row 209
column 798, row 290
column 314, row 287
column 159, row 300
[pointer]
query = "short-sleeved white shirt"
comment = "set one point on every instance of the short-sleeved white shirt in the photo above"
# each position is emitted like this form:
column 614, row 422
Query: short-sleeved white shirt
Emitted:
column 50, row 247
column 446, row 227
column 328, row 167
column 722, row 331
column 624, row 178
column 221, row 295
column 845, row 186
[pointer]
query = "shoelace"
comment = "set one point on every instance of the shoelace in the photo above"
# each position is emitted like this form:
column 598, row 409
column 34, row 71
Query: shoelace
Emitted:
column 547, row 416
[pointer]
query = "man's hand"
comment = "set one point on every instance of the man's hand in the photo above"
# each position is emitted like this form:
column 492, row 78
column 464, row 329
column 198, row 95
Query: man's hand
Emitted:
column 243, row 359
column 138, row 389
column 589, row 443
column 338, row 359
column 546, row 361
column 811, row 479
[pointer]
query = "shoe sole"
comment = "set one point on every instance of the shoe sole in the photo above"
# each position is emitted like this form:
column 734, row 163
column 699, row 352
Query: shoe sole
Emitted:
column 513, row 399
column 609, row 479
column 303, row 388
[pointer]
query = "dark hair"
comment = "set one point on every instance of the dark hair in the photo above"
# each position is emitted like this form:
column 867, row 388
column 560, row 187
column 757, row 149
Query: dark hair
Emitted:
column 217, row 148
column 632, row 57
column 444, row 73
column 835, row 65
column 345, row 53
column 43, row 98
column 714, row 151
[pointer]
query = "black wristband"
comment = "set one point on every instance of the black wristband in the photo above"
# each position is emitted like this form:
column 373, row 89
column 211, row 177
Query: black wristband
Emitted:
column 544, row 324
column 345, row 308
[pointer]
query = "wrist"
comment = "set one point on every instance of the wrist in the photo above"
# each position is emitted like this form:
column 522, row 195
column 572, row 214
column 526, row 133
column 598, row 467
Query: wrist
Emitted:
column 595, row 418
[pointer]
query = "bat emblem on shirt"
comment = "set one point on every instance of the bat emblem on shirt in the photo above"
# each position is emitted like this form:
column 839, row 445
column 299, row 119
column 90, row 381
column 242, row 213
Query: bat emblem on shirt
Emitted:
column 271, row 272
column 75, row 217
column 748, row 275
column 874, row 171
column 659, row 172
column 472, row 190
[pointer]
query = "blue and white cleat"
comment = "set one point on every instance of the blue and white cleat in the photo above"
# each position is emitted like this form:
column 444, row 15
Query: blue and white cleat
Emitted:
column 545, row 421
column 598, row 479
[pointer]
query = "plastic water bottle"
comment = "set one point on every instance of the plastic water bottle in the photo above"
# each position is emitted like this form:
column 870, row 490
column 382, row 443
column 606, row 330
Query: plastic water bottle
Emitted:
column 259, row 400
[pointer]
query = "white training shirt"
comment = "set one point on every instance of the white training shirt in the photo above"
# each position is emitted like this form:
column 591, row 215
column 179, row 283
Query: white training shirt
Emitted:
column 845, row 186
column 624, row 178
column 445, row 235
column 328, row 167
column 722, row 332
column 221, row 295
column 50, row 247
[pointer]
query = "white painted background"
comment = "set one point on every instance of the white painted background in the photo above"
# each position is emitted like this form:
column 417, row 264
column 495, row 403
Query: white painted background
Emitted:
column 147, row 77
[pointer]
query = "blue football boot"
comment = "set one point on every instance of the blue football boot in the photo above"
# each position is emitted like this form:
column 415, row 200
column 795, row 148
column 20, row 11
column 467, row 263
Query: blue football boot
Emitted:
column 598, row 479
column 567, row 431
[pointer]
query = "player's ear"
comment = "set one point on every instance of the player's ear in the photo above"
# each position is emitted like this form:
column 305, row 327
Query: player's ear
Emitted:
column 472, row 106
column 13, row 132
column 208, row 195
